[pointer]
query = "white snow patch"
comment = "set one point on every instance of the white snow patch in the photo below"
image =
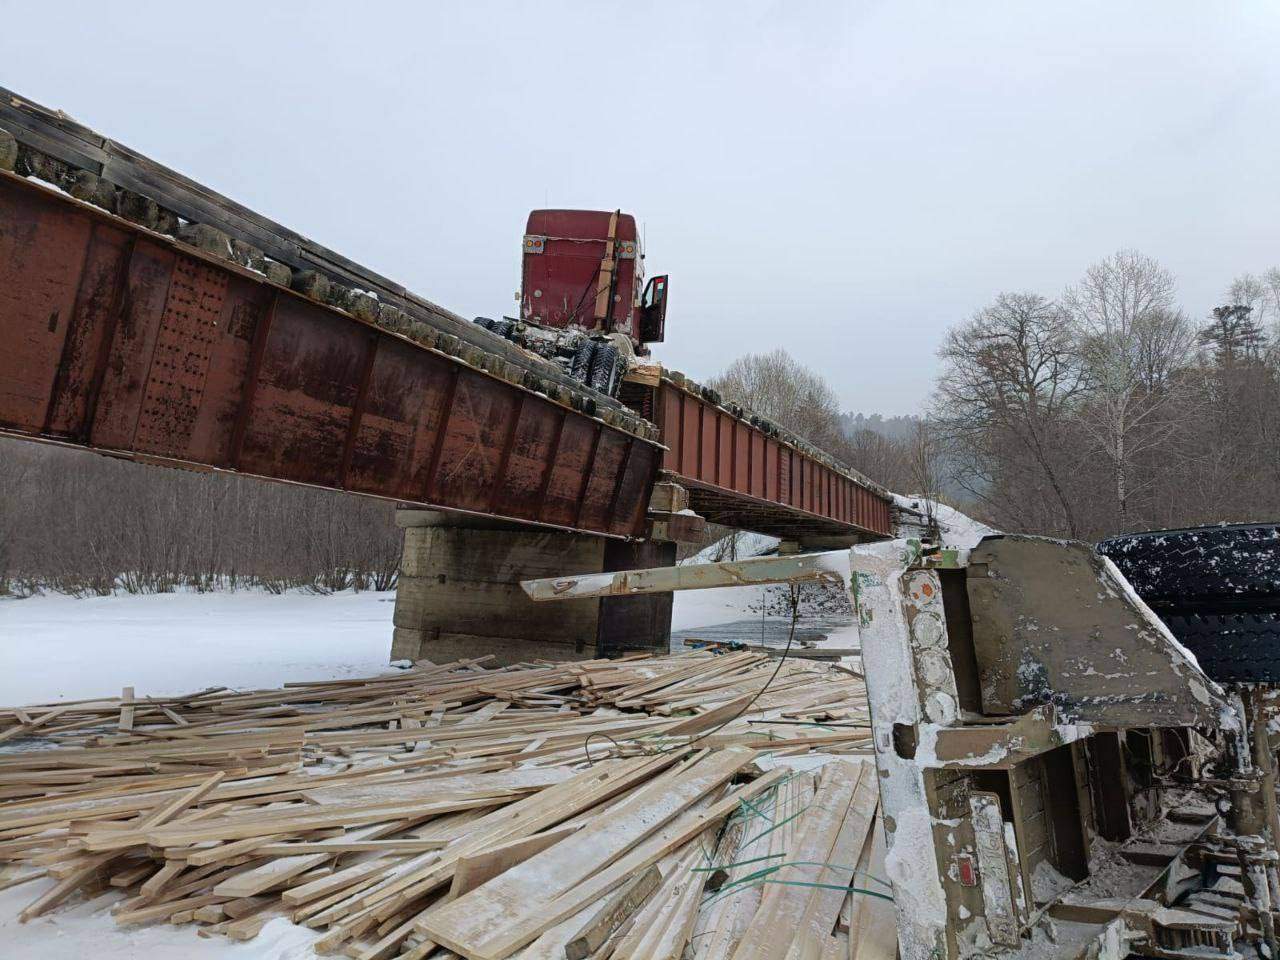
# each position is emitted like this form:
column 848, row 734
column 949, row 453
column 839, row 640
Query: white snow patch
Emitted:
column 747, row 545
column 55, row 647
column 958, row 530
column 78, row 930
column 706, row 608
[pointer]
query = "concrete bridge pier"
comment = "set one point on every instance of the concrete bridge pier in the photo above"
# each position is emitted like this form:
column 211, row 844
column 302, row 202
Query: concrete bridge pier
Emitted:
column 459, row 592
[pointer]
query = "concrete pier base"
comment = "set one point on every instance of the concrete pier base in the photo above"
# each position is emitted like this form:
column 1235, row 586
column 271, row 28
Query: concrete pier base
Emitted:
column 459, row 593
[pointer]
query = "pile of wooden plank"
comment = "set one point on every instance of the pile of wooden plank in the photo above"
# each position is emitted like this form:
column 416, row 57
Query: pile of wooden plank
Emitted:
column 710, row 806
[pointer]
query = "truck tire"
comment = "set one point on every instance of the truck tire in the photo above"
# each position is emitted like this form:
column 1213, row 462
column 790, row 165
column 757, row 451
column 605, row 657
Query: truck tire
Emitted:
column 605, row 373
column 1237, row 563
column 1217, row 589
column 580, row 366
column 1239, row 647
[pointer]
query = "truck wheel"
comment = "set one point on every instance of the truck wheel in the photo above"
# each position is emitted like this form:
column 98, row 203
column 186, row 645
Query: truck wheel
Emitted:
column 1217, row 589
column 1240, row 647
column 580, row 366
column 615, row 380
column 1236, row 563
column 604, row 374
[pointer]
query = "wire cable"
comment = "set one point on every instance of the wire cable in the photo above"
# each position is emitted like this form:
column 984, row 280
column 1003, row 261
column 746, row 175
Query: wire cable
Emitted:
column 791, row 635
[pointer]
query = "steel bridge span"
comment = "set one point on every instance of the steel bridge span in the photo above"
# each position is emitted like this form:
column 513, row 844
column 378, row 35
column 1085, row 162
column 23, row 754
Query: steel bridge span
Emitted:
column 120, row 338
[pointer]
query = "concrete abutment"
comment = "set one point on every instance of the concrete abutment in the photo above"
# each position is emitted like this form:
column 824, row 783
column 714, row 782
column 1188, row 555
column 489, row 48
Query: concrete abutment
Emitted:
column 459, row 593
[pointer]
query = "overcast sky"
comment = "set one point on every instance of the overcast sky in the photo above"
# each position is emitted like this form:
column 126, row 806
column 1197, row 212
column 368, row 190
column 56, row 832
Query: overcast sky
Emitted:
column 845, row 180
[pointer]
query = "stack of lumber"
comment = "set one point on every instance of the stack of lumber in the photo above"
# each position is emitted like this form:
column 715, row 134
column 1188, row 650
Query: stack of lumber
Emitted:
column 711, row 806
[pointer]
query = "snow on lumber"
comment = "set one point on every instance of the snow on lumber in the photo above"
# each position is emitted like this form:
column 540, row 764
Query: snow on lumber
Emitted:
column 343, row 813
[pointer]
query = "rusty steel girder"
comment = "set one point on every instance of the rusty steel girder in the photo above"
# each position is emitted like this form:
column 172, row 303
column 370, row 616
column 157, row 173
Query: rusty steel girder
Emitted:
column 739, row 476
column 120, row 340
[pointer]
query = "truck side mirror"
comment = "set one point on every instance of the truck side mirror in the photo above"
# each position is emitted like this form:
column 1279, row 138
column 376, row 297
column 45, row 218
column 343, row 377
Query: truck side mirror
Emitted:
column 653, row 310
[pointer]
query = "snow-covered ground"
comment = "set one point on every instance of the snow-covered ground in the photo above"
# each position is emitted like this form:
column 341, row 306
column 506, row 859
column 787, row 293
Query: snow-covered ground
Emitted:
column 55, row 647
column 957, row 529
column 80, row 930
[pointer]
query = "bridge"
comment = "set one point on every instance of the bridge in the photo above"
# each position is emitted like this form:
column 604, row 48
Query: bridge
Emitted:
column 149, row 318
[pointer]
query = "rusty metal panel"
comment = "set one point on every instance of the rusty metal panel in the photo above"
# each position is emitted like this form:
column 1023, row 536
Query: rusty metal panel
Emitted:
column 179, row 368
column 117, row 401
column 529, row 450
column 473, row 443
column 669, row 407
column 39, row 282
column 784, row 476
column 571, row 472
column 85, row 332
column 768, row 469
column 708, row 449
column 122, row 340
column 635, row 488
column 595, row 510
column 404, row 405
column 724, row 450
column 690, row 414
column 741, row 477
column 228, row 374
column 304, row 396
column 741, row 456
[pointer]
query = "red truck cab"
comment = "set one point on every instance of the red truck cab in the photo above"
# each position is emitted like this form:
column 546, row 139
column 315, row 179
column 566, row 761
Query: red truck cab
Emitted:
column 585, row 269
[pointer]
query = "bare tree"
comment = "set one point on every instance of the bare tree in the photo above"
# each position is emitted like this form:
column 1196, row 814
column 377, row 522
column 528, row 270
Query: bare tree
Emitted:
column 777, row 386
column 1115, row 407
column 1132, row 339
column 924, row 464
column 81, row 523
column 1003, row 401
column 885, row 460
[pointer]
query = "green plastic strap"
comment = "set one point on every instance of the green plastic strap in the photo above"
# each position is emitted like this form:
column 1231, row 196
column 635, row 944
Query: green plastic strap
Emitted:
column 761, row 874
column 742, row 881
column 740, row 863
column 747, row 802
column 760, row 877
column 772, row 792
column 780, row 823
column 836, row 866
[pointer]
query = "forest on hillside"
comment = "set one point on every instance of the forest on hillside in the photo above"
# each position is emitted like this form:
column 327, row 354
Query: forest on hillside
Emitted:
column 1106, row 408
column 1102, row 409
